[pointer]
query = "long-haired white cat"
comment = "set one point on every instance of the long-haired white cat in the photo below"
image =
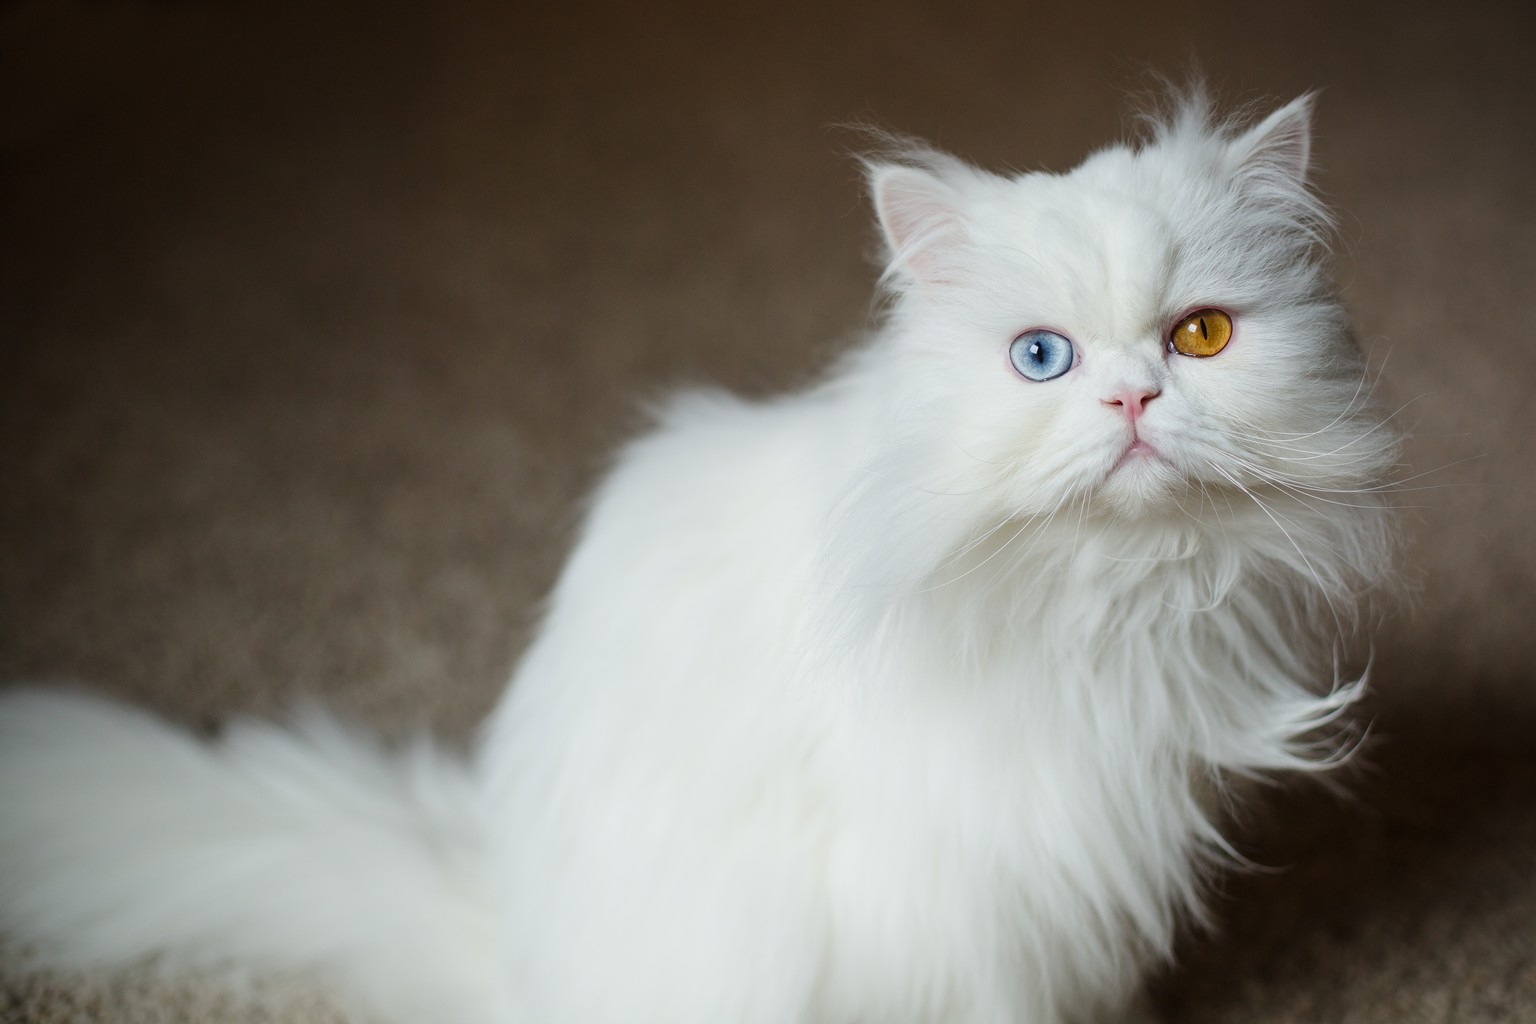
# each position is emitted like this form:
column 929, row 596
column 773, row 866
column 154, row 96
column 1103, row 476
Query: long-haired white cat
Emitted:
column 914, row 697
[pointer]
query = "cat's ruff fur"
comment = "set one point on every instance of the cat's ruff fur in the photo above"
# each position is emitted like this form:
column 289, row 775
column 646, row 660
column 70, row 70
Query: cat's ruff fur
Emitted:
column 897, row 699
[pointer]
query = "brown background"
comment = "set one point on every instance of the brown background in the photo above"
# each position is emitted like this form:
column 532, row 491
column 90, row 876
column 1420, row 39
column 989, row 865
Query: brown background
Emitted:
column 317, row 319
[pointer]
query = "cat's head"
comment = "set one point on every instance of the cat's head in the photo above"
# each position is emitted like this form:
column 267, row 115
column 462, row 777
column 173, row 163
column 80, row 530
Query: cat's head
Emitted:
column 1117, row 339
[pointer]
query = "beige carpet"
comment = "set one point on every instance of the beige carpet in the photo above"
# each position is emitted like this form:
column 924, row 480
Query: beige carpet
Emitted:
column 316, row 320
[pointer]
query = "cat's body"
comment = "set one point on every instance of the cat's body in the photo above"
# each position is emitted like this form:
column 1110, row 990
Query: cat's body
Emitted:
column 910, row 698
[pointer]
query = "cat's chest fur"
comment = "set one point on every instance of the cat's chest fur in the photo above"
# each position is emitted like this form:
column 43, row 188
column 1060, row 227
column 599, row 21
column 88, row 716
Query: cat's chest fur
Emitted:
column 1043, row 790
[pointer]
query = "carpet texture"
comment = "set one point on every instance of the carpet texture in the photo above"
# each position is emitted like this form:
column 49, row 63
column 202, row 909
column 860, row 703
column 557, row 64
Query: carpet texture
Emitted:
column 317, row 320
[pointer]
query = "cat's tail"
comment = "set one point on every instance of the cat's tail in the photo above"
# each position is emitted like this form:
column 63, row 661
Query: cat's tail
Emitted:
column 309, row 849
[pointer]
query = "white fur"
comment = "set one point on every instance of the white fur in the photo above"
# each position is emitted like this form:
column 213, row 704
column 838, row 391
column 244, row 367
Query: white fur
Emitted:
column 303, row 849
column 892, row 700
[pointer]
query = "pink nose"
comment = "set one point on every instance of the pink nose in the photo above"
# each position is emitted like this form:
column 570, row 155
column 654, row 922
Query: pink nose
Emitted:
column 1131, row 401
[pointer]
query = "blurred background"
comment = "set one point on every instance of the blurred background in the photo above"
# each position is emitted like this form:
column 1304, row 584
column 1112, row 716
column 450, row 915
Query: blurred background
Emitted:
column 317, row 320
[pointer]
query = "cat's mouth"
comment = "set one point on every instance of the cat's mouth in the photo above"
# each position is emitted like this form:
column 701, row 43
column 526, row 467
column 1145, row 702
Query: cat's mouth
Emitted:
column 1138, row 452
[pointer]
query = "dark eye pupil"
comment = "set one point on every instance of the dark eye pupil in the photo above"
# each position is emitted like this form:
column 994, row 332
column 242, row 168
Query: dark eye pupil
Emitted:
column 1037, row 352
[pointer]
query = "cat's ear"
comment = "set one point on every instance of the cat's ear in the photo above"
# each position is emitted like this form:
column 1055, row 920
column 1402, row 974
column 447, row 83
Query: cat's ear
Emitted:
column 1281, row 144
column 919, row 215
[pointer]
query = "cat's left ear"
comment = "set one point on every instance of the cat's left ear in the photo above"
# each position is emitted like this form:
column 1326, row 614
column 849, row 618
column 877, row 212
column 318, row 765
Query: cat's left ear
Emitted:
column 1281, row 144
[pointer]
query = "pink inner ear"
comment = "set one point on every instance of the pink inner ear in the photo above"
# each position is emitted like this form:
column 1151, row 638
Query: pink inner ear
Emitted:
column 922, row 227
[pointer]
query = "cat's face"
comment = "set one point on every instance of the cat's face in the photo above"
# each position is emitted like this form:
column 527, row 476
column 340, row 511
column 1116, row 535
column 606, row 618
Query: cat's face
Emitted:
column 1121, row 337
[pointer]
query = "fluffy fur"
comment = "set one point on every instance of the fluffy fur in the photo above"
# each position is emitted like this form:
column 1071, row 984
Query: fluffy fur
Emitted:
column 911, row 697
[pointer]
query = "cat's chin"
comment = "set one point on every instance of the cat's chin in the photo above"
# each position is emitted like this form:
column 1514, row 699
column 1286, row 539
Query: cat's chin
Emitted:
column 1142, row 481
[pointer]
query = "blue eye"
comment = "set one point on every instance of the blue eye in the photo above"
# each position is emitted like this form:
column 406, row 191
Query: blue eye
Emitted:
column 1041, row 355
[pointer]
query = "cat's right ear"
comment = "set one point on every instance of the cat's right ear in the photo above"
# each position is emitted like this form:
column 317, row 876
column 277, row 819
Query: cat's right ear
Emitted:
column 919, row 215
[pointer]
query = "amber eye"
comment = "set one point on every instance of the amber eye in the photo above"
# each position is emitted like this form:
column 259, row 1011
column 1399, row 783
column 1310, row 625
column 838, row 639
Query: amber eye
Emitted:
column 1203, row 333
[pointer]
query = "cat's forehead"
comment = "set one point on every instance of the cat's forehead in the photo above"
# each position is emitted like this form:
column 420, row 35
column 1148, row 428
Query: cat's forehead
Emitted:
column 1100, row 246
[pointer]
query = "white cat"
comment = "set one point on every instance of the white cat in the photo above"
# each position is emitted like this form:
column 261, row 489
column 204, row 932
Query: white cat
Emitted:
column 911, row 698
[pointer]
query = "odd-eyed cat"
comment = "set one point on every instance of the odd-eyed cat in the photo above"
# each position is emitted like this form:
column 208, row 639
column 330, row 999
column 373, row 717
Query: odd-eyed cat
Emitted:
column 912, row 697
